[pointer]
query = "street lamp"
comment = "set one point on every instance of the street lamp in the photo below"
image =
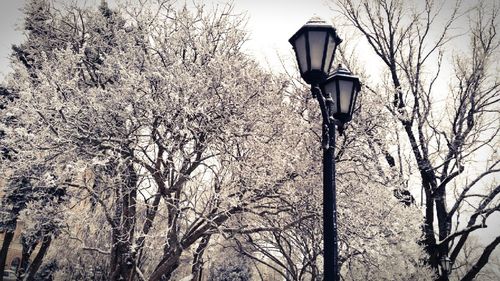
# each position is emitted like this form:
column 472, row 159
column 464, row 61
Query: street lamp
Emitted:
column 314, row 45
column 342, row 88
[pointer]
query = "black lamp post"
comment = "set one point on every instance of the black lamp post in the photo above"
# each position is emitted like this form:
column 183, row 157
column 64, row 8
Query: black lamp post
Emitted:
column 314, row 45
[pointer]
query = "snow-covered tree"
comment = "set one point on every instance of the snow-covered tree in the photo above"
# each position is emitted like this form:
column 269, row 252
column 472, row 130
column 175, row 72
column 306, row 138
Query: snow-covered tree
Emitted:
column 378, row 234
column 165, row 137
column 28, row 184
column 155, row 116
column 440, row 131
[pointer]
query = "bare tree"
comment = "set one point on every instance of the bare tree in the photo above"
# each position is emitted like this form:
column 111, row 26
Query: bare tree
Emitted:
column 372, row 222
column 163, row 114
column 444, row 132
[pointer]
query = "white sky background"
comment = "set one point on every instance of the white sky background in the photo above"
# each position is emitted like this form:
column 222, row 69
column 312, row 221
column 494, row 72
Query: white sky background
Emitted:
column 270, row 25
column 10, row 16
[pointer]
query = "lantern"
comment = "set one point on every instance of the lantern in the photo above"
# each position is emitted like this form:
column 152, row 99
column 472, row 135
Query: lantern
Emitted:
column 343, row 87
column 314, row 45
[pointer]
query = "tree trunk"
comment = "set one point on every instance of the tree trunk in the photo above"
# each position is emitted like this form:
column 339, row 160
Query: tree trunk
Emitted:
column 9, row 235
column 123, row 261
column 114, row 263
column 197, row 268
column 168, row 264
column 130, row 220
column 122, row 268
column 35, row 265
column 150, row 216
column 121, row 265
column 25, row 258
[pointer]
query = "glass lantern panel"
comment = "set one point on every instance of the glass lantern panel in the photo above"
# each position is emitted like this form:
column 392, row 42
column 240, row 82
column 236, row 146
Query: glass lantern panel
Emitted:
column 329, row 53
column 316, row 48
column 300, row 49
column 345, row 88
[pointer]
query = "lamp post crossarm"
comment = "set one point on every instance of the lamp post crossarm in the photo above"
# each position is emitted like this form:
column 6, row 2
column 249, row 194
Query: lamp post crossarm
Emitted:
column 326, row 104
column 325, row 112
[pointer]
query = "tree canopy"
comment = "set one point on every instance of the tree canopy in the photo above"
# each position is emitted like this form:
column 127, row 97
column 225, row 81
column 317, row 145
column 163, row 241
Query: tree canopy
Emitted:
column 140, row 142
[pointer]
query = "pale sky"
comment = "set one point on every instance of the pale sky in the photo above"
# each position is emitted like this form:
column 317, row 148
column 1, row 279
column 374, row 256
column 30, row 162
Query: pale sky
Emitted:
column 270, row 25
column 10, row 16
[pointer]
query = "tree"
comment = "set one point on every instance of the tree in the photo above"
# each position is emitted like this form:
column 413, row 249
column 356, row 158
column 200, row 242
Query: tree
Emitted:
column 26, row 184
column 175, row 158
column 6, row 97
column 471, row 252
column 442, row 143
column 236, row 269
column 378, row 235
column 14, row 201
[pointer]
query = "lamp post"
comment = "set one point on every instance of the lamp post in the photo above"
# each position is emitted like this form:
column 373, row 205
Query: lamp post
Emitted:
column 314, row 45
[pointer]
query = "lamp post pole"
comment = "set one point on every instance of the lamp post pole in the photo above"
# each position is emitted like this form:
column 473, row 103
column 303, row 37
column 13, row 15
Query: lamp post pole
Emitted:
column 330, row 237
column 331, row 264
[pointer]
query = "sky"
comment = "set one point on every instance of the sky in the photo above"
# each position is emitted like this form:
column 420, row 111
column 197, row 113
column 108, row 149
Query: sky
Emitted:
column 10, row 17
column 270, row 25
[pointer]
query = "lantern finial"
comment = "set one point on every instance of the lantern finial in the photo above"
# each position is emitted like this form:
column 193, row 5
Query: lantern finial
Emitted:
column 315, row 19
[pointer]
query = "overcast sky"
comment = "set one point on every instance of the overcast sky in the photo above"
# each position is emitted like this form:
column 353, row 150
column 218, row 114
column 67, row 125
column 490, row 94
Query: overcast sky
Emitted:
column 10, row 16
column 270, row 24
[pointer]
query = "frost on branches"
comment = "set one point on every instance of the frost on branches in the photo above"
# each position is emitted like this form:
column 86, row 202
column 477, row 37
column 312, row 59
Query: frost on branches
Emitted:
column 156, row 120
column 164, row 139
column 440, row 83
column 378, row 234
